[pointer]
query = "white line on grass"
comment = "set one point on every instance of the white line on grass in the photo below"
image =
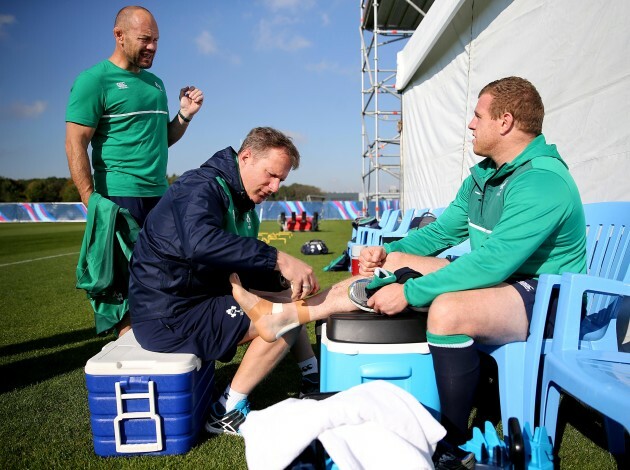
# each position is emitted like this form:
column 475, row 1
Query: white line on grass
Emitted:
column 38, row 259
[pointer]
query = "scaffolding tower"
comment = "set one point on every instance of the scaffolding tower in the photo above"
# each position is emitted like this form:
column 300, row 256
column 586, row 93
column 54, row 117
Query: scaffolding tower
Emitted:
column 386, row 25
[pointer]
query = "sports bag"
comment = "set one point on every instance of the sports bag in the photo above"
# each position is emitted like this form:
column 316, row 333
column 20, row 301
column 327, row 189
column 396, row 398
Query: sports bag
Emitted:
column 314, row 247
column 422, row 221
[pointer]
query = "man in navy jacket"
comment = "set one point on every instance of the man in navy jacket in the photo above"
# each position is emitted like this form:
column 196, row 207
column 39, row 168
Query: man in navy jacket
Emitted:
column 204, row 228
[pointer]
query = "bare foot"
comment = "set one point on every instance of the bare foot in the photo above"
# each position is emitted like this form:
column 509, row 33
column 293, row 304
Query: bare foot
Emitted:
column 271, row 320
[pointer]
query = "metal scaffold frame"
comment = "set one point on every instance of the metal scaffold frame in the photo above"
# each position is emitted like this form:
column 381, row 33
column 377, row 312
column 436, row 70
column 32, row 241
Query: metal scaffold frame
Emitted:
column 384, row 24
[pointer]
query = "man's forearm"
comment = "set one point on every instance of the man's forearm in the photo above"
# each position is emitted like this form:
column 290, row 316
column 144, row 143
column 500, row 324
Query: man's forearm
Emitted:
column 81, row 173
column 177, row 128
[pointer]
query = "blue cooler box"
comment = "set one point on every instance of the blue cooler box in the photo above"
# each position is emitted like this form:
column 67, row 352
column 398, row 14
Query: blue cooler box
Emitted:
column 143, row 402
column 358, row 348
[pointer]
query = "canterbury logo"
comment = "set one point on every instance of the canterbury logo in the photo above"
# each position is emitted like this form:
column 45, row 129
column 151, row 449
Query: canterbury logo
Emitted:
column 157, row 85
column 122, row 85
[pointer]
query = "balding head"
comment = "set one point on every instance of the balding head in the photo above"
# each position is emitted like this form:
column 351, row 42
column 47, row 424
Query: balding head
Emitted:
column 127, row 14
column 136, row 34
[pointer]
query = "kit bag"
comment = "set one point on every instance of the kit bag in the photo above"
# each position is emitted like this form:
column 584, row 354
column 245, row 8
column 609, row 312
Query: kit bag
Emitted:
column 314, row 247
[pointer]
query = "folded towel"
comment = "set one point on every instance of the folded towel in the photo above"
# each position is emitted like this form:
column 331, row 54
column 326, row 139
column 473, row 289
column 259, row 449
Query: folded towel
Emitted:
column 373, row 425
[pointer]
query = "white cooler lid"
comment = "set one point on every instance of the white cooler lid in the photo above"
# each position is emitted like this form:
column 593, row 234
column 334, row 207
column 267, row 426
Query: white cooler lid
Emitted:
column 126, row 357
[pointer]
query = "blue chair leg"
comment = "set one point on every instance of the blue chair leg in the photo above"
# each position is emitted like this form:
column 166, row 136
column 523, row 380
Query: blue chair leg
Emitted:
column 549, row 409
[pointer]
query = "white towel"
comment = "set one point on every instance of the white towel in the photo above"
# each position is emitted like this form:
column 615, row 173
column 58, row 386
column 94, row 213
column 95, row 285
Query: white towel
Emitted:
column 371, row 426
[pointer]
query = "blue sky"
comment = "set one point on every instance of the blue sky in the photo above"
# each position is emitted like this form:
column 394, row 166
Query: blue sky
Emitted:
column 290, row 64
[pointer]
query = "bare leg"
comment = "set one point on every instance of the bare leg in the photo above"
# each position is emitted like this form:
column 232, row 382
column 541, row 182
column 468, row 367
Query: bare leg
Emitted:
column 259, row 359
column 494, row 315
column 271, row 324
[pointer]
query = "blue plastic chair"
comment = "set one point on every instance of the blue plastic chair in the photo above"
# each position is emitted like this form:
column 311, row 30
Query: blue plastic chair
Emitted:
column 367, row 235
column 355, row 231
column 518, row 363
column 400, row 231
column 584, row 360
column 437, row 211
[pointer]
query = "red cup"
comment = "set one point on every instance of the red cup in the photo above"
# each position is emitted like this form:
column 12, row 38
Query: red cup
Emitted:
column 355, row 252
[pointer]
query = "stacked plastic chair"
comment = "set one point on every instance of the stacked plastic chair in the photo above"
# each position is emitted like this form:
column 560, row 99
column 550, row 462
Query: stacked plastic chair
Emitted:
column 366, row 235
column 400, row 231
column 355, row 231
column 359, row 234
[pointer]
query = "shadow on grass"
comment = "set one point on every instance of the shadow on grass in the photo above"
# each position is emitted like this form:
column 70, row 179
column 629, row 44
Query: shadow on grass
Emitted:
column 49, row 342
column 26, row 372
column 589, row 423
column 283, row 382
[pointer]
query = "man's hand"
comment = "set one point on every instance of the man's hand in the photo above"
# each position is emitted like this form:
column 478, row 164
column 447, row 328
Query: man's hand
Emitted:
column 389, row 300
column 190, row 101
column 371, row 257
column 300, row 274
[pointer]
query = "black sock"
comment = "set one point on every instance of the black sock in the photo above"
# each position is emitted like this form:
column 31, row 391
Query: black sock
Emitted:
column 457, row 376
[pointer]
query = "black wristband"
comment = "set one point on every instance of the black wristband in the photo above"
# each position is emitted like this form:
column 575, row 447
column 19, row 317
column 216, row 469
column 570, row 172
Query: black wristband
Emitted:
column 184, row 118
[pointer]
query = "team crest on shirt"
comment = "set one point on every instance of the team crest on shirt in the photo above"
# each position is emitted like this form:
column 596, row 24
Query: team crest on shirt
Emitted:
column 122, row 85
column 234, row 310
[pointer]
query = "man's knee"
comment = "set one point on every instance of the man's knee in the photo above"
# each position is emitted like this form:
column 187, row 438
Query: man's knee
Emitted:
column 444, row 315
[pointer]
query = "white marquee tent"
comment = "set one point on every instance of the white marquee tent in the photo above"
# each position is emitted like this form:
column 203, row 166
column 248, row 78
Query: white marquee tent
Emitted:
column 576, row 52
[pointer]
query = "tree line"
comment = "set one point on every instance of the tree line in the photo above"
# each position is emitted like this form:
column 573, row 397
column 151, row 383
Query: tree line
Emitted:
column 55, row 189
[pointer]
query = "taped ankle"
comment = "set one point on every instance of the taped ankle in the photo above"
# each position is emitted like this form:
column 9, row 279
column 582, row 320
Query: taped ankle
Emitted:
column 261, row 308
column 302, row 311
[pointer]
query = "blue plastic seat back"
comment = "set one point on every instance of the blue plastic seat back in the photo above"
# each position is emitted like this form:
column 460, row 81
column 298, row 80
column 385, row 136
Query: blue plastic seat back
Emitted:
column 608, row 257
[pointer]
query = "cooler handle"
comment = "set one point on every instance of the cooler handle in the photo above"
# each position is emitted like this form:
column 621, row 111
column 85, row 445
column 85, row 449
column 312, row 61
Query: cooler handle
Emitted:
column 385, row 371
column 151, row 414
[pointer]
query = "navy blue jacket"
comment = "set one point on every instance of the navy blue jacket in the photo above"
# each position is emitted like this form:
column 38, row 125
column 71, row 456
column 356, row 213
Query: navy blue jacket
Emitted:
column 183, row 255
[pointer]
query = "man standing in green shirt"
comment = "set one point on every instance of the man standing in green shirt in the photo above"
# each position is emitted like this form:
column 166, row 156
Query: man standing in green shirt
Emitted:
column 121, row 109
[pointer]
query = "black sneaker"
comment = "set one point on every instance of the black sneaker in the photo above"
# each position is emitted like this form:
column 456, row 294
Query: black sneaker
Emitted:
column 447, row 457
column 358, row 295
column 309, row 384
column 221, row 422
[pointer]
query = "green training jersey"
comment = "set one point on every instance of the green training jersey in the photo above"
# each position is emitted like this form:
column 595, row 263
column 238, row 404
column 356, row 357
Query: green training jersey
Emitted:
column 130, row 114
column 523, row 219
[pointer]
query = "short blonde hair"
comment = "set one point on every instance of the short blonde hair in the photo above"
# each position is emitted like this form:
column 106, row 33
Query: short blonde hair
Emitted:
column 260, row 139
column 520, row 98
